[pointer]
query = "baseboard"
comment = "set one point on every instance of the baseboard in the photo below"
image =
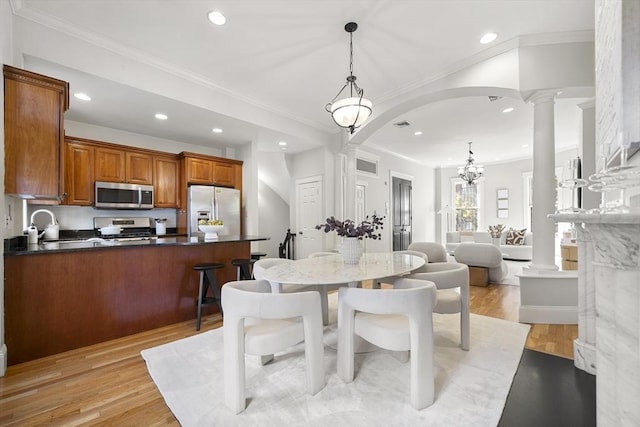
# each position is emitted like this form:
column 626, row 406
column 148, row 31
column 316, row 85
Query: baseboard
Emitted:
column 553, row 315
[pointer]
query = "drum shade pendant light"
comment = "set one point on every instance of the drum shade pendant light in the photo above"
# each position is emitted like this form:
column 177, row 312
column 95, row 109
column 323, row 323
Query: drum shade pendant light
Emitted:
column 350, row 112
column 470, row 172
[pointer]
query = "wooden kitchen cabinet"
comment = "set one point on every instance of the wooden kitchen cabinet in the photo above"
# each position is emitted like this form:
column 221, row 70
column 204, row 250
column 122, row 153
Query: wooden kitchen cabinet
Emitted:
column 199, row 171
column 109, row 165
column 113, row 165
column 223, row 174
column 34, row 107
column 78, row 174
column 166, row 179
column 210, row 171
column 138, row 168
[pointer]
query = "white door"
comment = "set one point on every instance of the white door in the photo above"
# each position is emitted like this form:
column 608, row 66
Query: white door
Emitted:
column 308, row 215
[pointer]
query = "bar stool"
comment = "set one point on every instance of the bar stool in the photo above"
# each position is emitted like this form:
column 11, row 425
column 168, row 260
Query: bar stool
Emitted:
column 258, row 255
column 207, row 279
column 245, row 268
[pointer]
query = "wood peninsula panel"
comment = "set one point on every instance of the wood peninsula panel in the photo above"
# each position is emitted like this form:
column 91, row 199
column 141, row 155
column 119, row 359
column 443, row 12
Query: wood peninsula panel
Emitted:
column 111, row 293
column 34, row 107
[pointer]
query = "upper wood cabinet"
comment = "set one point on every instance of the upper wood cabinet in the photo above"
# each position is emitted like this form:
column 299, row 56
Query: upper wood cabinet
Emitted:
column 199, row 171
column 166, row 181
column 210, row 171
column 114, row 165
column 223, row 174
column 34, row 107
column 78, row 174
column 138, row 168
column 109, row 165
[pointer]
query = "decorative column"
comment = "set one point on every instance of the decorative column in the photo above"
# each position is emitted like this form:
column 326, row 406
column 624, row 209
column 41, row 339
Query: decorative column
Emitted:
column 544, row 182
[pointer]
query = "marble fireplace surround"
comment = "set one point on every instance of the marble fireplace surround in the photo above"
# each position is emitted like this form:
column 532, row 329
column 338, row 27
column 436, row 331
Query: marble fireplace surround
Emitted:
column 608, row 342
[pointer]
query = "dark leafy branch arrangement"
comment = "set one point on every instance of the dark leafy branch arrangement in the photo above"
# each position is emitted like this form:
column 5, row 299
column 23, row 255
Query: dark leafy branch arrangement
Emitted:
column 348, row 228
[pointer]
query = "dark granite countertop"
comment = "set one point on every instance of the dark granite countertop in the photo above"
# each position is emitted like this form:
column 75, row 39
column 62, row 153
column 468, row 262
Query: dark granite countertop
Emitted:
column 91, row 244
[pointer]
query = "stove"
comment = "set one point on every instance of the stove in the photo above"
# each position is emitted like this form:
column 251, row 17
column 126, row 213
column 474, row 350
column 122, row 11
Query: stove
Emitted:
column 133, row 228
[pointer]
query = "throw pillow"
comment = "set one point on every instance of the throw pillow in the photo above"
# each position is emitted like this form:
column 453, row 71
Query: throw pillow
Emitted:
column 515, row 237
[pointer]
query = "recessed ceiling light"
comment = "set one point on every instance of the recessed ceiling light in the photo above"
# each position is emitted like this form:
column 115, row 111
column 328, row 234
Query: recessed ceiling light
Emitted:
column 488, row 38
column 82, row 96
column 282, row 144
column 216, row 130
column 418, row 133
column 216, row 17
column 161, row 116
column 508, row 110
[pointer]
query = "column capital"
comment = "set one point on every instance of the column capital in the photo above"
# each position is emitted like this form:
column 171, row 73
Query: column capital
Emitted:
column 586, row 105
column 541, row 96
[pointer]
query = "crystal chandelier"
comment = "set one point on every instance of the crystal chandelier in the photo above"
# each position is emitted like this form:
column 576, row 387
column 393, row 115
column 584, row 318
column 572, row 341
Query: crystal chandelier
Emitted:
column 470, row 172
column 350, row 112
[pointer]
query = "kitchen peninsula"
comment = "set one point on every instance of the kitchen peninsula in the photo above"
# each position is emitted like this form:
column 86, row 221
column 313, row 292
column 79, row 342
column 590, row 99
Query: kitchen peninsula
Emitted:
column 61, row 296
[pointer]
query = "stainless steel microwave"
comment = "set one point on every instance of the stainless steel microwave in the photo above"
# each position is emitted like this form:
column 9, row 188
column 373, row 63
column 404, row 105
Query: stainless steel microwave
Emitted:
column 116, row 195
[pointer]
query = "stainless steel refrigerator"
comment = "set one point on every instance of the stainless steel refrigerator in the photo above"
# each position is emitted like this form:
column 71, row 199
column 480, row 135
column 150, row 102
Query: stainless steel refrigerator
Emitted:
column 208, row 202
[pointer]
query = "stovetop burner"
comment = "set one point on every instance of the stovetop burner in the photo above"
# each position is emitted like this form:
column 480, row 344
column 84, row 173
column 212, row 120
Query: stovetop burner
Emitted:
column 141, row 235
column 134, row 228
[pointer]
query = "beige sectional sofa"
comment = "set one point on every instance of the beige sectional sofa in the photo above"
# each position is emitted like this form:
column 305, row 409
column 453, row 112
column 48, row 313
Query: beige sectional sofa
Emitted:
column 515, row 252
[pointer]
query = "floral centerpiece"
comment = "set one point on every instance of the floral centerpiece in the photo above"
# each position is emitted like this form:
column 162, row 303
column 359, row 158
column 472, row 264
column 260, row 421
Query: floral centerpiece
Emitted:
column 496, row 230
column 353, row 233
column 348, row 228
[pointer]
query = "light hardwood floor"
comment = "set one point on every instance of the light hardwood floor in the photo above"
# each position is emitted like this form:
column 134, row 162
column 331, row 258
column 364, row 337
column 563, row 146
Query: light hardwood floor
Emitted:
column 108, row 383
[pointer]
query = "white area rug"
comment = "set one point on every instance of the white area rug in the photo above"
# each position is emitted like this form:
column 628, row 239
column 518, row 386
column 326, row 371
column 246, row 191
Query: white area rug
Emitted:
column 471, row 387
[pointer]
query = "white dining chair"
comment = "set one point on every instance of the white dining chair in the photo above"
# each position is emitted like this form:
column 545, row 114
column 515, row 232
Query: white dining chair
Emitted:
column 262, row 265
column 452, row 281
column 391, row 279
column 397, row 319
column 435, row 252
column 262, row 323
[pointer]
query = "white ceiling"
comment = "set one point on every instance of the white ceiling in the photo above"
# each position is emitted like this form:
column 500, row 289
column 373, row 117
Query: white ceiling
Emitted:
column 291, row 57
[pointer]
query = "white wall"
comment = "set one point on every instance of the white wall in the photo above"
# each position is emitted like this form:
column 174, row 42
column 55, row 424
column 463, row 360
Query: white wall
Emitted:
column 274, row 219
column 274, row 210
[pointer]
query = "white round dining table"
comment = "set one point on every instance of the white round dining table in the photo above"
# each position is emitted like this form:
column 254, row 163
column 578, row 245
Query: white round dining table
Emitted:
column 331, row 269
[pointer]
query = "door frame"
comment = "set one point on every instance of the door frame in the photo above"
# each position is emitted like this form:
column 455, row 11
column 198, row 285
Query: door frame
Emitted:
column 389, row 208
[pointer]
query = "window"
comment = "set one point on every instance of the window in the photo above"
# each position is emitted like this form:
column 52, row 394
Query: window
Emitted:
column 466, row 202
